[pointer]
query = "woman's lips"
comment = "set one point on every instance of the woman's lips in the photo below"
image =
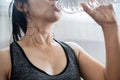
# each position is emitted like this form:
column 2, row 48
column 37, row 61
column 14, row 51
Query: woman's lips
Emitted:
column 55, row 8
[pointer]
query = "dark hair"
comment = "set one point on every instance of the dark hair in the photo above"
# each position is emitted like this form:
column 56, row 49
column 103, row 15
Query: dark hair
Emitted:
column 19, row 21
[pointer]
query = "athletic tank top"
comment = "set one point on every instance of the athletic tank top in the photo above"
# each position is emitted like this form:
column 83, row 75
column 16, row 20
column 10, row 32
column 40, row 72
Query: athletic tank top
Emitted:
column 23, row 69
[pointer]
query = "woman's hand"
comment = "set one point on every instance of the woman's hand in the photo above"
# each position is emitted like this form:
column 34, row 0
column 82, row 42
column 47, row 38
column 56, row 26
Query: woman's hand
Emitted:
column 103, row 15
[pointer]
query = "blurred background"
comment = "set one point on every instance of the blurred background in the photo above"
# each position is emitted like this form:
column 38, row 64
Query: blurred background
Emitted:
column 78, row 28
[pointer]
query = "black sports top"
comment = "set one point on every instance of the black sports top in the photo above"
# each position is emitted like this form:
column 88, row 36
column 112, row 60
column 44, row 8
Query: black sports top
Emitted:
column 23, row 69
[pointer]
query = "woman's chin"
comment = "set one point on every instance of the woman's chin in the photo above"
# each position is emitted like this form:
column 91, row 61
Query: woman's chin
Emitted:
column 54, row 17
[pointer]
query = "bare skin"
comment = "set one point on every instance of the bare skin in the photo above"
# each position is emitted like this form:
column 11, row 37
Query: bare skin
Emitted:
column 44, row 47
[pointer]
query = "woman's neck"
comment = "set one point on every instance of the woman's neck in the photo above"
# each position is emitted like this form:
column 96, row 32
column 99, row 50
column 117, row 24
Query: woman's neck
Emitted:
column 38, row 35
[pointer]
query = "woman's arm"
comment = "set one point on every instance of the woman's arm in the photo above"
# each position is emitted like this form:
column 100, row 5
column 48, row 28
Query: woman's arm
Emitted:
column 105, row 17
column 112, row 42
column 90, row 68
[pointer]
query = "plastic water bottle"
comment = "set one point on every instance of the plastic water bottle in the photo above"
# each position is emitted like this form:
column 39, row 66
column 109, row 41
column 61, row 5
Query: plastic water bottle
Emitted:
column 73, row 6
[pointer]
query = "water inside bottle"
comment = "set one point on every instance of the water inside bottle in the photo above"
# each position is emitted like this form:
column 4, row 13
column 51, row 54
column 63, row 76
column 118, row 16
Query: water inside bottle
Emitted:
column 73, row 6
column 70, row 6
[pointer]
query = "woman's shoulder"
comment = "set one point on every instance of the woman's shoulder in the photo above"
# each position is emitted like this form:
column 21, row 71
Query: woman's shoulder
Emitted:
column 5, row 62
column 76, row 47
column 4, row 52
column 4, row 55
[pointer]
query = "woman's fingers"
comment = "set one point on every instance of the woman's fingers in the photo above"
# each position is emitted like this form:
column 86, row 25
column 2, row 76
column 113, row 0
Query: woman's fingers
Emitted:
column 87, row 9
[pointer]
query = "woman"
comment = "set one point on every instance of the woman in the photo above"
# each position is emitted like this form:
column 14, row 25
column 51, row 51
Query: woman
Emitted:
column 37, row 56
